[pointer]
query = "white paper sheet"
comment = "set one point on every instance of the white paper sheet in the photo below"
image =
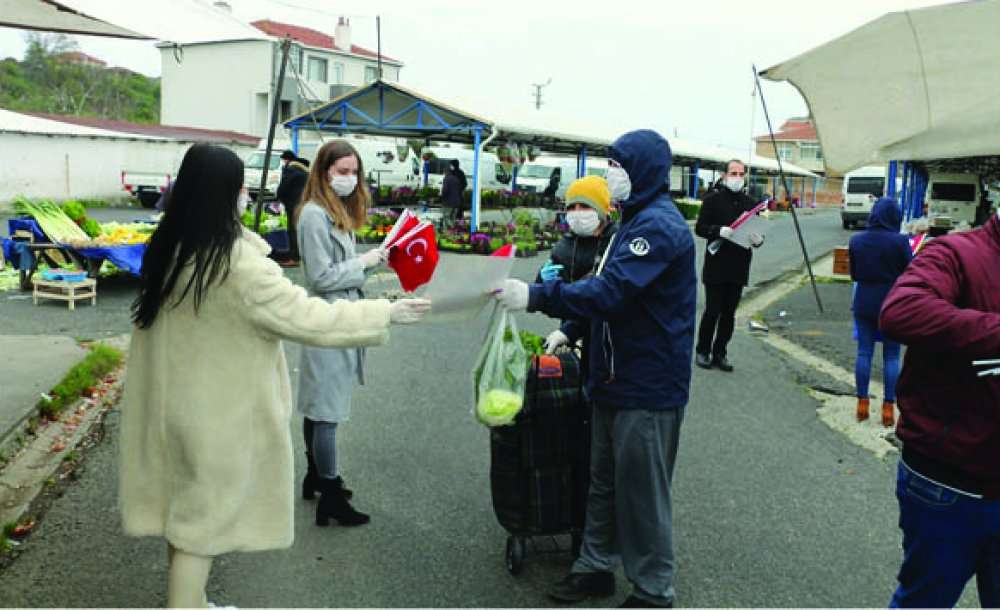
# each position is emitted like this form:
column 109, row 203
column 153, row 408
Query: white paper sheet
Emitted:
column 462, row 285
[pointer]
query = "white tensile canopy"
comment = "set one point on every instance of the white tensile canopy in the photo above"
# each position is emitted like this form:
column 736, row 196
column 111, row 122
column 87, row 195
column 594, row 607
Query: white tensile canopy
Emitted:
column 176, row 21
column 912, row 85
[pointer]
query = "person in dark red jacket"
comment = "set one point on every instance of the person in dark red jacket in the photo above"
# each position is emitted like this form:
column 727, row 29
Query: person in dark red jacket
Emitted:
column 946, row 309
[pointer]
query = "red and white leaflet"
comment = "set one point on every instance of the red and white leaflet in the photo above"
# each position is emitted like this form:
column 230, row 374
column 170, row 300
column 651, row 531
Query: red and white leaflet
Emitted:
column 750, row 222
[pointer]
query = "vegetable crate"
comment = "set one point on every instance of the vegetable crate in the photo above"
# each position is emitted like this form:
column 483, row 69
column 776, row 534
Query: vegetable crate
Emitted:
column 540, row 465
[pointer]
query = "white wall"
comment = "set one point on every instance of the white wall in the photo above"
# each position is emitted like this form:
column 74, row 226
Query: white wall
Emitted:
column 215, row 86
column 63, row 167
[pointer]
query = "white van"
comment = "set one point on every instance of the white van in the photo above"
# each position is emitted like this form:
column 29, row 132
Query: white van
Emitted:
column 862, row 188
column 952, row 199
column 492, row 175
column 534, row 176
column 380, row 158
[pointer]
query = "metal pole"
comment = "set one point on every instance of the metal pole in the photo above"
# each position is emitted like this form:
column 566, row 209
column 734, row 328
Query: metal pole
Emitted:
column 815, row 180
column 784, row 180
column 378, row 36
column 295, row 140
column 513, row 180
column 286, row 45
column 583, row 162
column 476, row 136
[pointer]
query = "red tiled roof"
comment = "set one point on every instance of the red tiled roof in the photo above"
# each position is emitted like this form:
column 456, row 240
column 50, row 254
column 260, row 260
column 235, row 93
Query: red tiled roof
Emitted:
column 214, row 136
column 77, row 56
column 794, row 129
column 312, row 38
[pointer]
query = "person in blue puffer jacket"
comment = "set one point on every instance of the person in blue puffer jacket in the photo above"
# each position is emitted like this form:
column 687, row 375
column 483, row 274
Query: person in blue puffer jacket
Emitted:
column 878, row 256
column 641, row 311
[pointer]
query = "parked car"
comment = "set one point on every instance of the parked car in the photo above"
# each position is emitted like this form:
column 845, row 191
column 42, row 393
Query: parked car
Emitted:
column 952, row 199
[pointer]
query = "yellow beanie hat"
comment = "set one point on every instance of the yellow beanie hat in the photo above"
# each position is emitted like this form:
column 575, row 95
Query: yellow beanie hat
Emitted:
column 590, row 191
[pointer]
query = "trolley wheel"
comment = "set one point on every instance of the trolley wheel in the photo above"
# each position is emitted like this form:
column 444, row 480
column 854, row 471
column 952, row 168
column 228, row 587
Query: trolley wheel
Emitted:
column 515, row 554
column 576, row 541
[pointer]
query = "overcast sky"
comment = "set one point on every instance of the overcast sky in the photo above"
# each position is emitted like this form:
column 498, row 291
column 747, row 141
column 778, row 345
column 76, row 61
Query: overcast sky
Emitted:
column 682, row 68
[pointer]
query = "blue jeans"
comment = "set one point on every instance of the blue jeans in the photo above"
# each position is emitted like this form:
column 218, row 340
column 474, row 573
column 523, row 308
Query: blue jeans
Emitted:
column 947, row 538
column 867, row 330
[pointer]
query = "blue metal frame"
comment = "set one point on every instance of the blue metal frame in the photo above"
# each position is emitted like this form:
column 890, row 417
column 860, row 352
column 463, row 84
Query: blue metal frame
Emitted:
column 693, row 181
column 476, row 137
column 513, row 179
column 890, row 189
column 429, row 121
column 295, row 140
column 815, row 182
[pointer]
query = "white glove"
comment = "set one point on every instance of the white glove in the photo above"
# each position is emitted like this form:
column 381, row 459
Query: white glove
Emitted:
column 408, row 311
column 513, row 295
column 756, row 239
column 374, row 257
column 555, row 340
column 726, row 232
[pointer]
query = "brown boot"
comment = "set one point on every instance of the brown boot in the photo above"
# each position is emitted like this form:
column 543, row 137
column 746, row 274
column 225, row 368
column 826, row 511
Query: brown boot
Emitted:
column 888, row 414
column 862, row 409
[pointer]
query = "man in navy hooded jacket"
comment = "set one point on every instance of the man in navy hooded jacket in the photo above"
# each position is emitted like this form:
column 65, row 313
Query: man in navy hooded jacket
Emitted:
column 641, row 308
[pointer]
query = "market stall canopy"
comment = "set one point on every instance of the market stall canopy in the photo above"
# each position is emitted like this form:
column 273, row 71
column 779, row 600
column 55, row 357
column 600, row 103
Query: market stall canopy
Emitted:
column 911, row 85
column 387, row 109
column 176, row 21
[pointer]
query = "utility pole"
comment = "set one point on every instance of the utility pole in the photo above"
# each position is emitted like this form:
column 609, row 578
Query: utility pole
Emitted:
column 538, row 92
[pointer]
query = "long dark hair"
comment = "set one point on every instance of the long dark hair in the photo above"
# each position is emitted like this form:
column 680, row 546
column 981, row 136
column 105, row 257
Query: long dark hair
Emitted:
column 200, row 224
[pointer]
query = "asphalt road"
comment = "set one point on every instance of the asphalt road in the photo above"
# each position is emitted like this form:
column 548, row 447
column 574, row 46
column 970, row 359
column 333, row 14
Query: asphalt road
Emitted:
column 772, row 508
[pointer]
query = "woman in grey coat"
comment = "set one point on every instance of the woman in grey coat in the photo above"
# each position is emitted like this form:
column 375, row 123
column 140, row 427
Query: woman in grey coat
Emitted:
column 336, row 204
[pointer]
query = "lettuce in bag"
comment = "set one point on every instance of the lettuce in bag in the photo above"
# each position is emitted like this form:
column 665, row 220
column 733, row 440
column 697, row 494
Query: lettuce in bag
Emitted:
column 501, row 372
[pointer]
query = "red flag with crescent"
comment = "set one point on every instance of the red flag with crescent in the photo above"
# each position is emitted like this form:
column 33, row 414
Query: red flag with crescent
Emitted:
column 414, row 256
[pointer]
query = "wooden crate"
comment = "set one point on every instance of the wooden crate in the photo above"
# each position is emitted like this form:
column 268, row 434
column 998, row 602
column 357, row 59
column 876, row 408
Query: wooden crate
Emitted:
column 71, row 292
column 841, row 261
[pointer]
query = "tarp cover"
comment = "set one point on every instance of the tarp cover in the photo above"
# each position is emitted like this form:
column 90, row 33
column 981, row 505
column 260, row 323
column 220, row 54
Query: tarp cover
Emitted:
column 912, row 85
column 177, row 21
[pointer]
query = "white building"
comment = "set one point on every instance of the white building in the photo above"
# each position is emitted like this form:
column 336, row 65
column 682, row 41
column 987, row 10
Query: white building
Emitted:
column 53, row 157
column 229, row 85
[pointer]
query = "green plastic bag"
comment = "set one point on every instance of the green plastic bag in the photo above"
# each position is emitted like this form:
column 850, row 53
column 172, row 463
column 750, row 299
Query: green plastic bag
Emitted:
column 501, row 372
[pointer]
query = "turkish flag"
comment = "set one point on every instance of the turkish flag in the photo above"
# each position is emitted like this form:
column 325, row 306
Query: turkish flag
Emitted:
column 414, row 256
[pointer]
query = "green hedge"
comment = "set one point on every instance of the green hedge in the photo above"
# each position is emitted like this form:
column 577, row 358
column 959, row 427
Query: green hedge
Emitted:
column 688, row 209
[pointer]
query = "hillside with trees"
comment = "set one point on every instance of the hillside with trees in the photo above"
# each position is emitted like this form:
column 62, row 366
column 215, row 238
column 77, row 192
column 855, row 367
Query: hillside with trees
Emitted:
column 53, row 79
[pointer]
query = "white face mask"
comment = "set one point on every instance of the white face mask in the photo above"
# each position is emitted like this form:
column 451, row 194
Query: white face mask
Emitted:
column 583, row 222
column 734, row 184
column 242, row 203
column 344, row 185
column 619, row 184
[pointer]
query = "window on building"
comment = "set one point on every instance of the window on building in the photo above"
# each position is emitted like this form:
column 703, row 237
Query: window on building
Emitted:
column 785, row 151
column 317, row 69
column 295, row 58
column 811, row 151
column 371, row 74
column 338, row 73
column 286, row 110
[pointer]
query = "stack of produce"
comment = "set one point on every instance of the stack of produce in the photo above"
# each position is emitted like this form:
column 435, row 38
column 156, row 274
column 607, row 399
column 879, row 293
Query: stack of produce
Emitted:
column 59, row 227
column 78, row 214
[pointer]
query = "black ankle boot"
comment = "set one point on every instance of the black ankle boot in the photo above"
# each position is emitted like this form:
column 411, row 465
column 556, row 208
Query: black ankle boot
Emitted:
column 310, row 484
column 333, row 504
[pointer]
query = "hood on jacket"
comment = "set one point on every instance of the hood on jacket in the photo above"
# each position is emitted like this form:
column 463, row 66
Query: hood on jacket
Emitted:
column 645, row 155
column 299, row 165
column 886, row 215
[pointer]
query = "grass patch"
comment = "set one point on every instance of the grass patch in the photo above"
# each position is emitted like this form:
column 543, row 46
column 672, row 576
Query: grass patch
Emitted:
column 85, row 374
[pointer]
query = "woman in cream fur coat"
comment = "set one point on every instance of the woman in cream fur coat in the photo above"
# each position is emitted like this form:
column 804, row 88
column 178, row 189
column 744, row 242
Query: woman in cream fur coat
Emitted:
column 205, row 452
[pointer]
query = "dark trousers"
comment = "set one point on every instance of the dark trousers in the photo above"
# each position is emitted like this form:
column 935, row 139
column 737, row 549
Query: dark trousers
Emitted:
column 719, row 318
column 293, row 235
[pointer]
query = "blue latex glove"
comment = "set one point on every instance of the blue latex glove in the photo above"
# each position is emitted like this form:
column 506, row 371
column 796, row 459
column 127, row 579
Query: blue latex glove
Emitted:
column 550, row 271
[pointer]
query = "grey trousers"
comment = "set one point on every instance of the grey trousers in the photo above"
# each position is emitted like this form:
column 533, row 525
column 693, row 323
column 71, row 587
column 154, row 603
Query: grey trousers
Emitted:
column 628, row 509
